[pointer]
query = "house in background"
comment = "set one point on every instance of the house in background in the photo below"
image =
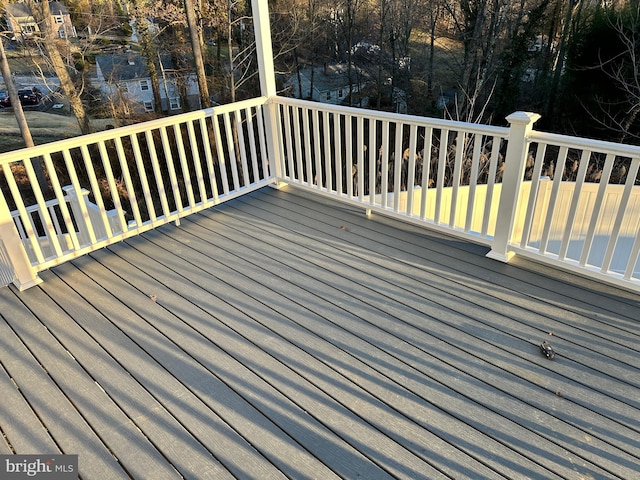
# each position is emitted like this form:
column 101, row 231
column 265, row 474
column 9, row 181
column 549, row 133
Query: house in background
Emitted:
column 22, row 24
column 124, row 80
column 329, row 83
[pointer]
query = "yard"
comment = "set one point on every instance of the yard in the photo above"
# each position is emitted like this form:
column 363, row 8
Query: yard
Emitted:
column 45, row 127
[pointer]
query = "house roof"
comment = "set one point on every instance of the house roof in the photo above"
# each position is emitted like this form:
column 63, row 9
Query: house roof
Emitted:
column 21, row 9
column 58, row 8
column 122, row 66
column 126, row 66
column 334, row 76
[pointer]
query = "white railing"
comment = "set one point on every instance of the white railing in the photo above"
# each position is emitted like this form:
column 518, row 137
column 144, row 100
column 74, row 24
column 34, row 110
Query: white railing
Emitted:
column 125, row 181
column 567, row 201
column 77, row 206
column 436, row 172
column 570, row 202
column 6, row 269
column 583, row 207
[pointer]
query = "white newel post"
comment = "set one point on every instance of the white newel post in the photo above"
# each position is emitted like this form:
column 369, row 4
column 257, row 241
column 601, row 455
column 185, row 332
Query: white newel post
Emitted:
column 521, row 124
column 79, row 209
column 264, row 52
column 24, row 276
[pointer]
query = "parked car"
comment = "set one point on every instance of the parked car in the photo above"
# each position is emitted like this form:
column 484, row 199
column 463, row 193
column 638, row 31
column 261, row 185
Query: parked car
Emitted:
column 28, row 96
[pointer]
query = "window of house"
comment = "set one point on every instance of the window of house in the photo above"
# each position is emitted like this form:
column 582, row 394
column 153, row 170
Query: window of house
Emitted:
column 148, row 106
column 340, row 93
column 328, row 95
column 174, row 103
column 144, row 85
column 123, row 86
column 59, row 20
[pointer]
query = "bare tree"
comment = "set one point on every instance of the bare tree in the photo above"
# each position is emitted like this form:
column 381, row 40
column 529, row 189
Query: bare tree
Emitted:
column 434, row 13
column 481, row 26
column 346, row 16
column 42, row 14
column 196, row 45
column 620, row 110
column 242, row 66
column 20, row 116
column 12, row 91
column 141, row 13
column 560, row 59
column 384, row 8
column 405, row 15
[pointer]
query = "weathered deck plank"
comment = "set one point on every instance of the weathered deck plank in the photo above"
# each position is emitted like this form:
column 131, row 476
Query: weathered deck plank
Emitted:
column 189, row 388
column 19, row 420
column 66, row 425
column 476, row 339
column 282, row 335
column 352, row 331
column 292, row 396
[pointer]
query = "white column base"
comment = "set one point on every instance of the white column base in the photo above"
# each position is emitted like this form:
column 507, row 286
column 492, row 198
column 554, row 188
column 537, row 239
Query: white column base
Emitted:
column 501, row 257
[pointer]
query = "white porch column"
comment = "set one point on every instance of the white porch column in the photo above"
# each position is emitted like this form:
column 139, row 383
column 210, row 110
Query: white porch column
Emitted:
column 24, row 276
column 264, row 52
column 517, row 151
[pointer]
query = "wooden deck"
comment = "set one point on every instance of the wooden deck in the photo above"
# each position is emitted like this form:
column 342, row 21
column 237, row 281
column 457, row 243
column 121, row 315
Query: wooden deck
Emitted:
column 286, row 336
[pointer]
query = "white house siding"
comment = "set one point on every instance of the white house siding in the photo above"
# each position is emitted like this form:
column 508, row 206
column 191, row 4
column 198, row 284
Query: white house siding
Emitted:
column 124, row 77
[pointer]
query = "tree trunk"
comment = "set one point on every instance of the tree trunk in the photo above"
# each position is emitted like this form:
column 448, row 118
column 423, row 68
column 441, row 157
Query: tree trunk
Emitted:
column 432, row 49
column 196, row 46
column 298, row 67
column 381, row 32
column 20, row 118
column 149, row 51
column 15, row 99
column 232, row 67
column 561, row 58
column 41, row 13
column 350, row 26
column 311, row 12
column 474, row 22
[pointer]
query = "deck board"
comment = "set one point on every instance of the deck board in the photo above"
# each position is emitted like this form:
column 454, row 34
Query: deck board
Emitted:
column 139, row 410
column 265, row 290
column 293, row 395
column 195, row 380
column 365, row 339
column 515, row 303
column 174, row 379
column 282, row 335
column 65, row 423
column 558, row 289
column 20, row 422
column 475, row 339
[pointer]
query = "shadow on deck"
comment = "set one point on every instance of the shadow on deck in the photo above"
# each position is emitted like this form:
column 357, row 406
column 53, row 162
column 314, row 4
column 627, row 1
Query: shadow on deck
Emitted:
column 285, row 336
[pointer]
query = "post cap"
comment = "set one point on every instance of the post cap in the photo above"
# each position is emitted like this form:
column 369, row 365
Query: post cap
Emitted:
column 523, row 118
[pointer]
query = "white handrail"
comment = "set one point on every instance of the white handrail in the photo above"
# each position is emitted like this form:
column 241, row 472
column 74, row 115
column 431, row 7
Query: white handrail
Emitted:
column 139, row 177
column 408, row 166
column 394, row 117
column 97, row 137
column 567, row 201
column 453, row 175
